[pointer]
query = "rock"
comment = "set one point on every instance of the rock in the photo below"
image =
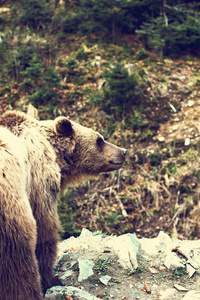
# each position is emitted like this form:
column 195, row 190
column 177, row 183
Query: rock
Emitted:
column 105, row 279
column 187, row 142
column 101, row 84
column 161, row 138
column 191, row 250
column 153, row 270
column 66, row 276
column 173, row 108
column 55, row 293
column 85, row 269
column 32, row 111
column 85, row 232
column 131, row 68
column 163, row 90
column 175, row 127
column 173, row 262
column 182, row 78
column 127, row 246
column 175, row 77
column 180, row 288
column 190, row 270
column 156, row 252
column 191, row 103
column 155, row 245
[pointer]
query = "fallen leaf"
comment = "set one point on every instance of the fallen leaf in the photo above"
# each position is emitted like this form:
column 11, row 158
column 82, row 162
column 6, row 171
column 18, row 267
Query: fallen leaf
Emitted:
column 175, row 249
column 147, row 288
column 105, row 251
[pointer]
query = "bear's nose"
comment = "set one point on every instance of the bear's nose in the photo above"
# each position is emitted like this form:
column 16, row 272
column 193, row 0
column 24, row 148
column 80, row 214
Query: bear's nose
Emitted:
column 124, row 151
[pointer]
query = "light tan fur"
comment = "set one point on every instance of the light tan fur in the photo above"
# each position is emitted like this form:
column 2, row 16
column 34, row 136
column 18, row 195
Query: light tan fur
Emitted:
column 38, row 160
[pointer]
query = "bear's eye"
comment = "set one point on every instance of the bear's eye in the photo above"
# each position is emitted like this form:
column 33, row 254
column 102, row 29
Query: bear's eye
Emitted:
column 100, row 142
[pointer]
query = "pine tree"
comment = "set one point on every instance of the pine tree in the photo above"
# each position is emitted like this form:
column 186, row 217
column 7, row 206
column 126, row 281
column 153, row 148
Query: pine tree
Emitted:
column 120, row 90
column 36, row 13
column 31, row 75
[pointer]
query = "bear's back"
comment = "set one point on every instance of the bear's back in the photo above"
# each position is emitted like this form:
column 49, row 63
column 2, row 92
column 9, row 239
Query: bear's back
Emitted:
column 44, row 171
column 14, row 168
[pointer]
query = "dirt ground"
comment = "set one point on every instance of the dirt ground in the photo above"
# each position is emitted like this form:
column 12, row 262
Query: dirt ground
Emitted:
column 129, row 287
column 151, row 279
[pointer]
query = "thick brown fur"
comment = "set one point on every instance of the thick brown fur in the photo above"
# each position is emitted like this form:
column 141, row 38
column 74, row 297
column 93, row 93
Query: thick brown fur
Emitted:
column 38, row 160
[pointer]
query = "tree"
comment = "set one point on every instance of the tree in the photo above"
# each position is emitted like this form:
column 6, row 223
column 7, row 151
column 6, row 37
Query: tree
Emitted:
column 37, row 14
column 47, row 94
column 31, row 75
column 120, row 91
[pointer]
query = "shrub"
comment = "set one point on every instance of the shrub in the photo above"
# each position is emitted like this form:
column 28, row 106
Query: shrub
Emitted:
column 120, row 91
column 180, row 33
column 66, row 211
column 31, row 75
column 37, row 14
column 72, row 64
column 41, row 86
column 47, row 95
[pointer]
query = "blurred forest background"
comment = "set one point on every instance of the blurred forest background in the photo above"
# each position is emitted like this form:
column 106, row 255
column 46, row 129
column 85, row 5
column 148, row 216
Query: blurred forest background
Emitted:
column 130, row 70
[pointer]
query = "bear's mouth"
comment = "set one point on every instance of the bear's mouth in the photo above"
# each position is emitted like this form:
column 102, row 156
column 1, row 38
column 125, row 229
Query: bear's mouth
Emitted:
column 116, row 163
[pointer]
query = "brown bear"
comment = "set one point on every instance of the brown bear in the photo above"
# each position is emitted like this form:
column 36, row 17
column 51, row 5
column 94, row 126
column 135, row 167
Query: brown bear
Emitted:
column 38, row 160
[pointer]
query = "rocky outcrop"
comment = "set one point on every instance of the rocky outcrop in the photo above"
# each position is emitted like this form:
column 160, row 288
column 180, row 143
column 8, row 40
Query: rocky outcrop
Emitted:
column 125, row 267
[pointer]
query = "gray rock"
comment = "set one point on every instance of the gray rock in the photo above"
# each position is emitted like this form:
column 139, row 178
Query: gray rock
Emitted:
column 56, row 292
column 85, row 232
column 182, row 78
column 161, row 138
column 105, row 279
column 153, row 270
column 175, row 127
column 131, row 68
column 190, row 270
column 66, row 276
column 126, row 246
column 173, row 262
column 175, row 77
column 32, row 111
column 85, row 269
column 187, row 142
column 191, row 250
column 191, row 103
column 155, row 245
column 163, row 89
column 180, row 288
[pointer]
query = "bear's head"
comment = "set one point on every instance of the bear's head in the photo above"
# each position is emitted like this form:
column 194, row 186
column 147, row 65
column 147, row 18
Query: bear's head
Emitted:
column 81, row 152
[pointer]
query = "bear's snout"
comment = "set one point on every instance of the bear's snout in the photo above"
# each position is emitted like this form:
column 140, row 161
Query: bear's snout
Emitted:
column 124, row 151
column 122, row 155
column 115, row 155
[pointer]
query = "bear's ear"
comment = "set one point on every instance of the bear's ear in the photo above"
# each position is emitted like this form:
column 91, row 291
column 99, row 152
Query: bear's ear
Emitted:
column 63, row 126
